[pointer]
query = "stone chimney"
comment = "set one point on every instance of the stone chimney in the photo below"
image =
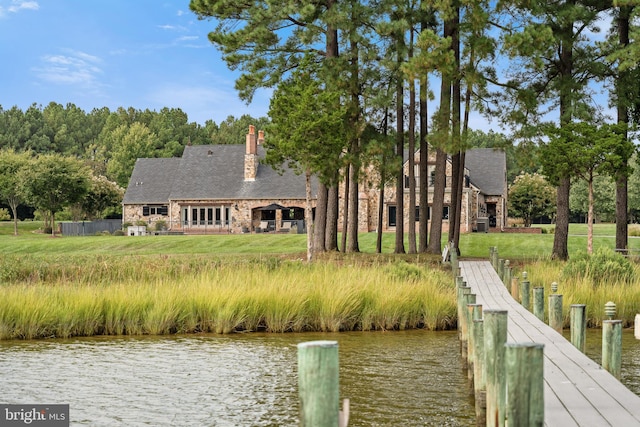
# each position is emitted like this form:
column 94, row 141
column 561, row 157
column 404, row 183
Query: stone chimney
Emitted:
column 251, row 156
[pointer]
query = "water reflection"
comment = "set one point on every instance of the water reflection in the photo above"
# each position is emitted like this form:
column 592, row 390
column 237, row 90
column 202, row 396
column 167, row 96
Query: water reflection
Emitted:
column 630, row 367
column 396, row 378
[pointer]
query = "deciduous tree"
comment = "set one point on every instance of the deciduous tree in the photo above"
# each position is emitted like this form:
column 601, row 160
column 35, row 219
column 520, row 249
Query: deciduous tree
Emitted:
column 531, row 196
column 11, row 163
column 52, row 182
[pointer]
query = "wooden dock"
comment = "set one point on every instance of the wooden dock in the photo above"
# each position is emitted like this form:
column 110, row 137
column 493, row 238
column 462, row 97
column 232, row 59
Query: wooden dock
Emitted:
column 577, row 391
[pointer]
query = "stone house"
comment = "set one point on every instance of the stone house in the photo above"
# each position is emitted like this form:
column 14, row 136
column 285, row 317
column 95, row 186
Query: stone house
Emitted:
column 216, row 189
column 225, row 189
column 484, row 194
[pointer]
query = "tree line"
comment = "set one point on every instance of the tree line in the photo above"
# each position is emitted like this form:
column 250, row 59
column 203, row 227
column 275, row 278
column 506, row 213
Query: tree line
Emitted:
column 362, row 71
column 57, row 157
column 109, row 142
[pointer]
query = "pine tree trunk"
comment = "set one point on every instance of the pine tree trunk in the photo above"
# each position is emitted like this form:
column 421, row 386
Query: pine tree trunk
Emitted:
column 590, row 218
column 308, row 216
column 423, row 197
column 622, row 181
column 331, row 234
column 345, row 209
column 437, row 206
column 561, row 235
column 320, row 221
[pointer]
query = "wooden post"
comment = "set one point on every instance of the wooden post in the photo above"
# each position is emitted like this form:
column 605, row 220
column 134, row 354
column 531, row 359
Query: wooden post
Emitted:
column 525, row 382
column 515, row 289
column 501, row 268
column 579, row 326
column 318, row 383
column 506, row 274
column 538, row 302
column 463, row 289
column 525, row 292
column 479, row 385
column 612, row 346
column 474, row 312
column 464, row 330
column 495, row 337
column 555, row 312
column 494, row 257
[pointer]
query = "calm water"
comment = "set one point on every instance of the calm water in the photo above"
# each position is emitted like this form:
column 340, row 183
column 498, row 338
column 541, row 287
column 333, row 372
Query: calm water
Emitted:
column 411, row 378
column 630, row 369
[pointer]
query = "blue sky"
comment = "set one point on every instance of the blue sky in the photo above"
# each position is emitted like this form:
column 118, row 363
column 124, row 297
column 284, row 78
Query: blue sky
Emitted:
column 145, row 54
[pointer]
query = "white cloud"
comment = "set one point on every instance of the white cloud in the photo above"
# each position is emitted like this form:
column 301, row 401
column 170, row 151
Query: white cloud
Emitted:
column 18, row 5
column 74, row 68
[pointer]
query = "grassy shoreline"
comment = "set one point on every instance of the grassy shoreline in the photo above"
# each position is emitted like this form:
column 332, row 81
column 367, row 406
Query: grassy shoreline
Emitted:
column 289, row 297
column 107, row 285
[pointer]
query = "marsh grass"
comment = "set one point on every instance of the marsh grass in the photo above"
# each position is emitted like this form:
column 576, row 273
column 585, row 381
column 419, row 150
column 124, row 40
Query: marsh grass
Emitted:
column 109, row 285
column 293, row 297
column 585, row 290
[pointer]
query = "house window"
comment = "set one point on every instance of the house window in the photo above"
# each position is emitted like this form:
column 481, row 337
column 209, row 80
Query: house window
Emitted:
column 432, row 178
column 206, row 216
column 445, row 213
column 155, row 210
column 417, row 213
column 223, row 214
column 392, row 215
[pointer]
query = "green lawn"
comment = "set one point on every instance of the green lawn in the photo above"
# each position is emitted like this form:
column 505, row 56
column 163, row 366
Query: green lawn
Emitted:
column 475, row 245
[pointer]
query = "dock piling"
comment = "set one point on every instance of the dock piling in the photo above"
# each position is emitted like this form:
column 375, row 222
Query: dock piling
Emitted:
column 525, row 382
column 525, row 291
column 479, row 384
column 538, row 302
column 495, row 337
column 579, row 326
column 611, row 341
column 318, row 384
column 555, row 312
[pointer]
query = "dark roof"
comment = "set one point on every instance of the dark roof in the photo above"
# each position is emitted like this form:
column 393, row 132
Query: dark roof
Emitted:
column 214, row 172
column 487, row 170
column 151, row 181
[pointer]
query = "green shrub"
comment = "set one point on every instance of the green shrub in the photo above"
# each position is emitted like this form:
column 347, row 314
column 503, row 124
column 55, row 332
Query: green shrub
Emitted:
column 160, row 225
column 4, row 215
column 405, row 272
column 604, row 265
column 634, row 230
column 118, row 233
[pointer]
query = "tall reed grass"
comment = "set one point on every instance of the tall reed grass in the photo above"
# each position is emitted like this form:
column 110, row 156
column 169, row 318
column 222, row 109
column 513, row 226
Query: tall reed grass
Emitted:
column 219, row 297
column 585, row 290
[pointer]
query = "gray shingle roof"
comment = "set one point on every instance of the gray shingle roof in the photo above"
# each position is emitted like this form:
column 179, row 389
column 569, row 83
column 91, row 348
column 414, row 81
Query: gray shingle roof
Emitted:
column 487, row 170
column 213, row 172
column 151, row 181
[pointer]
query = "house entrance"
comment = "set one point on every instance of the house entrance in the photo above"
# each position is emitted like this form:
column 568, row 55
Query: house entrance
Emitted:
column 491, row 213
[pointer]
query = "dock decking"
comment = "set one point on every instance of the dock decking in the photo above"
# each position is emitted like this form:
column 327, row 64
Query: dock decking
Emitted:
column 577, row 391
